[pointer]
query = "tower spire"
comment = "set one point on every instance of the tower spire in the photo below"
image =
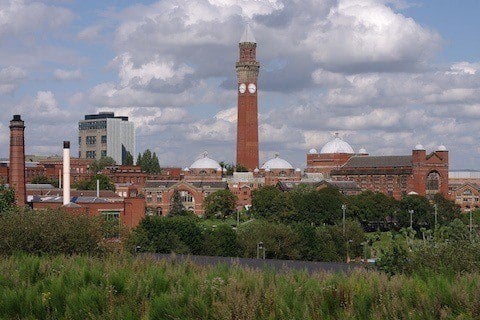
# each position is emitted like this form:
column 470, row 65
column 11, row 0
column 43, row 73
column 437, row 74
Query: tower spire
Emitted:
column 247, row 35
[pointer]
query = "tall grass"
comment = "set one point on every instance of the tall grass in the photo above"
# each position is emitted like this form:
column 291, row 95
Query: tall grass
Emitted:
column 114, row 287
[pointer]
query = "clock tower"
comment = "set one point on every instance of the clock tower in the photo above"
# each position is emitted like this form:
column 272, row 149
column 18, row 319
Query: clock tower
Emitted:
column 247, row 125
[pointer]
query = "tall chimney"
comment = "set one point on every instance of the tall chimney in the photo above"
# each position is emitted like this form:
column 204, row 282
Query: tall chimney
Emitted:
column 17, row 159
column 66, row 172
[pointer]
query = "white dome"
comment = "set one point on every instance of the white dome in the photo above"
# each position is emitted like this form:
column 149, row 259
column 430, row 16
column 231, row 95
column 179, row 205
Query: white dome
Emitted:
column 298, row 170
column 337, row 145
column 205, row 163
column 186, row 169
column 313, row 151
column 362, row 151
column 277, row 163
column 442, row 148
column 419, row 147
column 256, row 170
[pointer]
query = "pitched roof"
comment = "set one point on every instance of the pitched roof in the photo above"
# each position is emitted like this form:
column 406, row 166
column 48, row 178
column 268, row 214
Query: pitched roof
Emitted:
column 378, row 162
column 196, row 184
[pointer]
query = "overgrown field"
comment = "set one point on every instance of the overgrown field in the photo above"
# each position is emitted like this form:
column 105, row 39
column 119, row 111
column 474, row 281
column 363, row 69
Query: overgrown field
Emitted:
column 116, row 287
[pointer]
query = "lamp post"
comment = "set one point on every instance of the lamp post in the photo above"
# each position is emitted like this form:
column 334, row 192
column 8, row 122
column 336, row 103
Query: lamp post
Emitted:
column 260, row 247
column 348, row 254
column 364, row 243
column 471, row 226
column 344, row 208
column 435, row 206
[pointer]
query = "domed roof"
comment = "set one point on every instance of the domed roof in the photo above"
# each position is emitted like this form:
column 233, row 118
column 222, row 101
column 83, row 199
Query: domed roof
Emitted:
column 337, row 145
column 313, row 151
column 362, row 151
column 276, row 163
column 442, row 148
column 205, row 163
column 419, row 147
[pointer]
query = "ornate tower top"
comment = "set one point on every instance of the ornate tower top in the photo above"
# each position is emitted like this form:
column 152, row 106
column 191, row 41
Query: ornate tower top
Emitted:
column 247, row 36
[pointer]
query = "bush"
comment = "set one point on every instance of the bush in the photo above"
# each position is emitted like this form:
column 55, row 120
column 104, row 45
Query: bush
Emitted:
column 221, row 241
column 167, row 234
column 50, row 231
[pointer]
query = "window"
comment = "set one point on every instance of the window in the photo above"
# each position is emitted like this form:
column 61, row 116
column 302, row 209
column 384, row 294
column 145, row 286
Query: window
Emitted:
column 104, row 153
column 79, row 141
column 433, row 184
column 159, row 196
column 104, row 139
column 79, row 154
column 113, row 223
column 91, row 140
column 91, row 154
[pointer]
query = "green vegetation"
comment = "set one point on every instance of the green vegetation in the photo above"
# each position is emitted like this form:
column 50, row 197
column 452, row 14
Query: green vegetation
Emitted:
column 149, row 162
column 98, row 165
column 51, row 232
column 123, row 288
column 41, row 179
column 7, row 198
column 105, row 183
column 220, row 204
column 128, row 161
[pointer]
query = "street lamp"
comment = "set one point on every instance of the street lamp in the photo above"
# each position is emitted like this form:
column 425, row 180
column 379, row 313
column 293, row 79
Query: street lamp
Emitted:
column 411, row 218
column 348, row 254
column 364, row 243
column 344, row 208
column 435, row 206
column 260, row 247
column 471, row 225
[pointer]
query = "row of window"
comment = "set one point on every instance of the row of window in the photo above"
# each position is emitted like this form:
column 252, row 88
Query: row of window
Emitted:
column 92, row 125
column 91, row 154
column 91, row 140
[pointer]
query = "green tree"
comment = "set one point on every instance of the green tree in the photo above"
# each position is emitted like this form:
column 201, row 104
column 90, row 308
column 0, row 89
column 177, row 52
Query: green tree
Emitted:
column 177, row 208
column 372, row 210
column 105, row 183
column 139, row 160
column 41, row 179
column 270, row 203
column 149, row 162
column 447, row 210
column 128, row 159
column 240, row 168
column 7, row 199
column 229, row 167
column 423, row 212
column 221, row 241
column 100, row 164
column 220, row 204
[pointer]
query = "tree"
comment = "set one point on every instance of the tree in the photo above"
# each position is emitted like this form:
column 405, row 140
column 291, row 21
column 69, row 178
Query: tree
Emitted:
column 41, row 179
column 128, row 159
column 149, row 162
column 100, row 164
column 139, row 160
column 422, row 212
column 229, row 167
column 220, row 204
column 270, row 203
column 372, row 210
column 7, row 199
column 105, row 183
column 241, row 168
column 221, row 241
column 447, row 210
column 177, row 208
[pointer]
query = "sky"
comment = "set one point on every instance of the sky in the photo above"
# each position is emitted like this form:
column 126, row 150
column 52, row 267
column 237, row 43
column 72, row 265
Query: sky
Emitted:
column 385, row 74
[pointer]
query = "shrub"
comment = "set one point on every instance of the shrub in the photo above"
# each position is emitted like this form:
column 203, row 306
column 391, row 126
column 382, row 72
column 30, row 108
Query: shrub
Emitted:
column 166, row 235
column 221, row 241
column 50, row 231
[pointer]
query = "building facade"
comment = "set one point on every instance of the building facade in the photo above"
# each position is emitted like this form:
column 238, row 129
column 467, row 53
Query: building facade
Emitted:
column 105, row 135
column 247, row 69
column 396, row 176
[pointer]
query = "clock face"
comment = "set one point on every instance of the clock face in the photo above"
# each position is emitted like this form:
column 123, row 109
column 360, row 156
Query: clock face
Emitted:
column 252, row 88
column 242, row 87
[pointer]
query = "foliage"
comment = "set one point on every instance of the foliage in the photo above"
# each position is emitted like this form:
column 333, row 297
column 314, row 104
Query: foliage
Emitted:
column 279, row 240
column 105, row 183
column 124, row 288
column 128, row 159
column 221, row 241
column 447, row 210
column 423, row 215
column 50, row 231
column 451, row 250
column 373, row 210
column 228, row 166
column 240, row 168
column 270, row 203
column 149, row 162
column 41, row 179
column 177, row 208
column 7, row 198
column 220, row 204
column 165, row 235
column 100, row 164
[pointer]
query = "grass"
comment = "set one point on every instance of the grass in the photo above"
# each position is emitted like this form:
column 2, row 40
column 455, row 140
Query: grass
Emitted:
column 119, row 287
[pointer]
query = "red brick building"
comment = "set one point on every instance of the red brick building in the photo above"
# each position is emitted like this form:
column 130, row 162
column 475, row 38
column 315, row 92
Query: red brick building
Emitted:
column 420, row 173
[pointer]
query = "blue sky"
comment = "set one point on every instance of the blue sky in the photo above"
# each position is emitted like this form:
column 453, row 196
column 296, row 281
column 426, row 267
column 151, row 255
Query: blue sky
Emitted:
column 386, row 74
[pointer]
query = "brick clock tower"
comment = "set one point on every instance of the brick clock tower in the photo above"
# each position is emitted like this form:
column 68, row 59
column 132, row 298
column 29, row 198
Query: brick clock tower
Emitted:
column 247, row 126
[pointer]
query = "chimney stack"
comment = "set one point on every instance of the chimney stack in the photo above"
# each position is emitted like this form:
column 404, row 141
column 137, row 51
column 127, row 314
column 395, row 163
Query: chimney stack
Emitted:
column 66, row 172
column 17, row 159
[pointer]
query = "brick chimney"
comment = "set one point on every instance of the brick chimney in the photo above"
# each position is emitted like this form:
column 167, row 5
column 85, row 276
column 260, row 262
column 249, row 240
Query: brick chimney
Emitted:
column 17, row 160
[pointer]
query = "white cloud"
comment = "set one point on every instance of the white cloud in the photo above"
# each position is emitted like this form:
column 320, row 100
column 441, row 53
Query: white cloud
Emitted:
column 11, row 78
column 90, row 33
column 67, row 75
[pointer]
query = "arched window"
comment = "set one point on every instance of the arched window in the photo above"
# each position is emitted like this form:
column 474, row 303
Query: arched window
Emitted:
column 433, row 184
column 187, row 199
